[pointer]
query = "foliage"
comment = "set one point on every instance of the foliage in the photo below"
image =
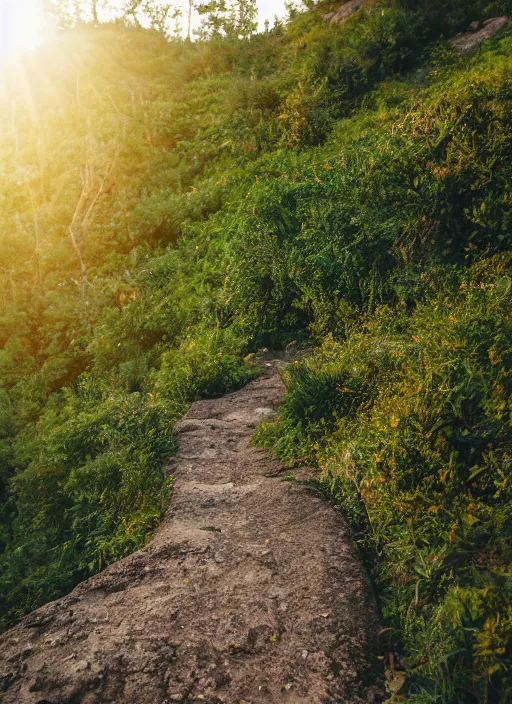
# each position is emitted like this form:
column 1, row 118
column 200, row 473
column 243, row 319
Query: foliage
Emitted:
column 94, row 464
column 167, row 207
column 236, row 20
column 417, row 451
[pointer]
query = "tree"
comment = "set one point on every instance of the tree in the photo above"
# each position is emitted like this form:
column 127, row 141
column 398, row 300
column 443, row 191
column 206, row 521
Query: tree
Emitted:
column 278, row 25
column 77, row 11
column 216, row 19
column 246, row 18
column 190, row 12
column 236, row 20
column 158, row 15
column 68, row 13
column 94, row 11
column 57, row 13
column 131, row 11
column 177, row 30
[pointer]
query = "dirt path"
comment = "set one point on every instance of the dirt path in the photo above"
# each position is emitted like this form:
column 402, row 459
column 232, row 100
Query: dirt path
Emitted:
column 249, row 593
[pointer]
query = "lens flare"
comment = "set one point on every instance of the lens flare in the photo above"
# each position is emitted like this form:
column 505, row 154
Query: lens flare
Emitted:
column 21, row 27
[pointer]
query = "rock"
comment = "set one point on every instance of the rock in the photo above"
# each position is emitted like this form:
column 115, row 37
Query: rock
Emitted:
column 82, row 666
column 201, row 614
column 469, row 40
column 344, row 12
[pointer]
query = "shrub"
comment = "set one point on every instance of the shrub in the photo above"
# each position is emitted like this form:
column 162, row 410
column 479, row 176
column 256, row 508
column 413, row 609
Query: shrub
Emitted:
column 96, row 472
column 420, row 464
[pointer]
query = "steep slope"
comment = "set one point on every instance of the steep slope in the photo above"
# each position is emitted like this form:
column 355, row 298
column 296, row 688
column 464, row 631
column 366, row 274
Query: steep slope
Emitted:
column 167, row 209
column 249, row 592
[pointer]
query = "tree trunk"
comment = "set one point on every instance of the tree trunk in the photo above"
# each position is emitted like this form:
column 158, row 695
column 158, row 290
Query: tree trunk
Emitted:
column 94, row 11
column 190, row 8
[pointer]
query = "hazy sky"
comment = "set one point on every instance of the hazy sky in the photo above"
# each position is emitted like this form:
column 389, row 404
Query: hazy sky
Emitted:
column 269, row 8
column 19, row 22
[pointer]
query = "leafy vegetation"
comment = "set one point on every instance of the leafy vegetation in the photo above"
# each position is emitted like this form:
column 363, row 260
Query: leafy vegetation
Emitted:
column 168, row 207
column 408, row 423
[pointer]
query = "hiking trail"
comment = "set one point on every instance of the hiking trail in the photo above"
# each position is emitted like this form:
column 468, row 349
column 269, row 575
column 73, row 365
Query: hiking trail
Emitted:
column 249, row 593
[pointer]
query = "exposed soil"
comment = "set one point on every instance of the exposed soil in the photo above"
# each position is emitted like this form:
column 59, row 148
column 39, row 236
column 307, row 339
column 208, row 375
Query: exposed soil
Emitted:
column 250, row 592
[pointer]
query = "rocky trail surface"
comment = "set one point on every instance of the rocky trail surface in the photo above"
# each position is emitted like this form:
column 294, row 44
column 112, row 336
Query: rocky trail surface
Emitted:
column 249, row 593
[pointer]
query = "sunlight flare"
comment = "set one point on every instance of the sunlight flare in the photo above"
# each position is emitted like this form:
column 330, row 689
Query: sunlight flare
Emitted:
column 21, row 26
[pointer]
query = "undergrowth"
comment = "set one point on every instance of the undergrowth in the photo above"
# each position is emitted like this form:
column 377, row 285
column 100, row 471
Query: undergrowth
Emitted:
column 405, row 405
column 409, row 423
column 344, row 186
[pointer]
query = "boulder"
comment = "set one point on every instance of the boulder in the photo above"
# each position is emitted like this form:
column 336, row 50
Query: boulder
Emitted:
column 469, row 40
column 344, row 12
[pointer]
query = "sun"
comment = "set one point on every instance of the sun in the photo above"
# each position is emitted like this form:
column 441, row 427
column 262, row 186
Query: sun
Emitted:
column 21, row 26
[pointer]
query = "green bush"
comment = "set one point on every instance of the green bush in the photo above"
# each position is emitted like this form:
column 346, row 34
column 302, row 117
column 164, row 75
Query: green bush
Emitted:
column 384, row 220
column 421, row 464
column 208, row 364
column 96, row 472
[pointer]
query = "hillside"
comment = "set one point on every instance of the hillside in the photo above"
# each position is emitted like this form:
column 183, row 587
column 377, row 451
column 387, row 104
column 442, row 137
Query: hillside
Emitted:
column 169, row 208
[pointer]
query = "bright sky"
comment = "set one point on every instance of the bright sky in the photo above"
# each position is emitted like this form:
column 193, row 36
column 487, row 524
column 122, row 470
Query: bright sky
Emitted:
column 269, row 8
column 20, row 22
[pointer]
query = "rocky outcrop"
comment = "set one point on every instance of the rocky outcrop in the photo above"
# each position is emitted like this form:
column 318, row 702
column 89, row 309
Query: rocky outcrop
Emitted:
column 470, row 40
column 250, row 593
column 344, row 12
